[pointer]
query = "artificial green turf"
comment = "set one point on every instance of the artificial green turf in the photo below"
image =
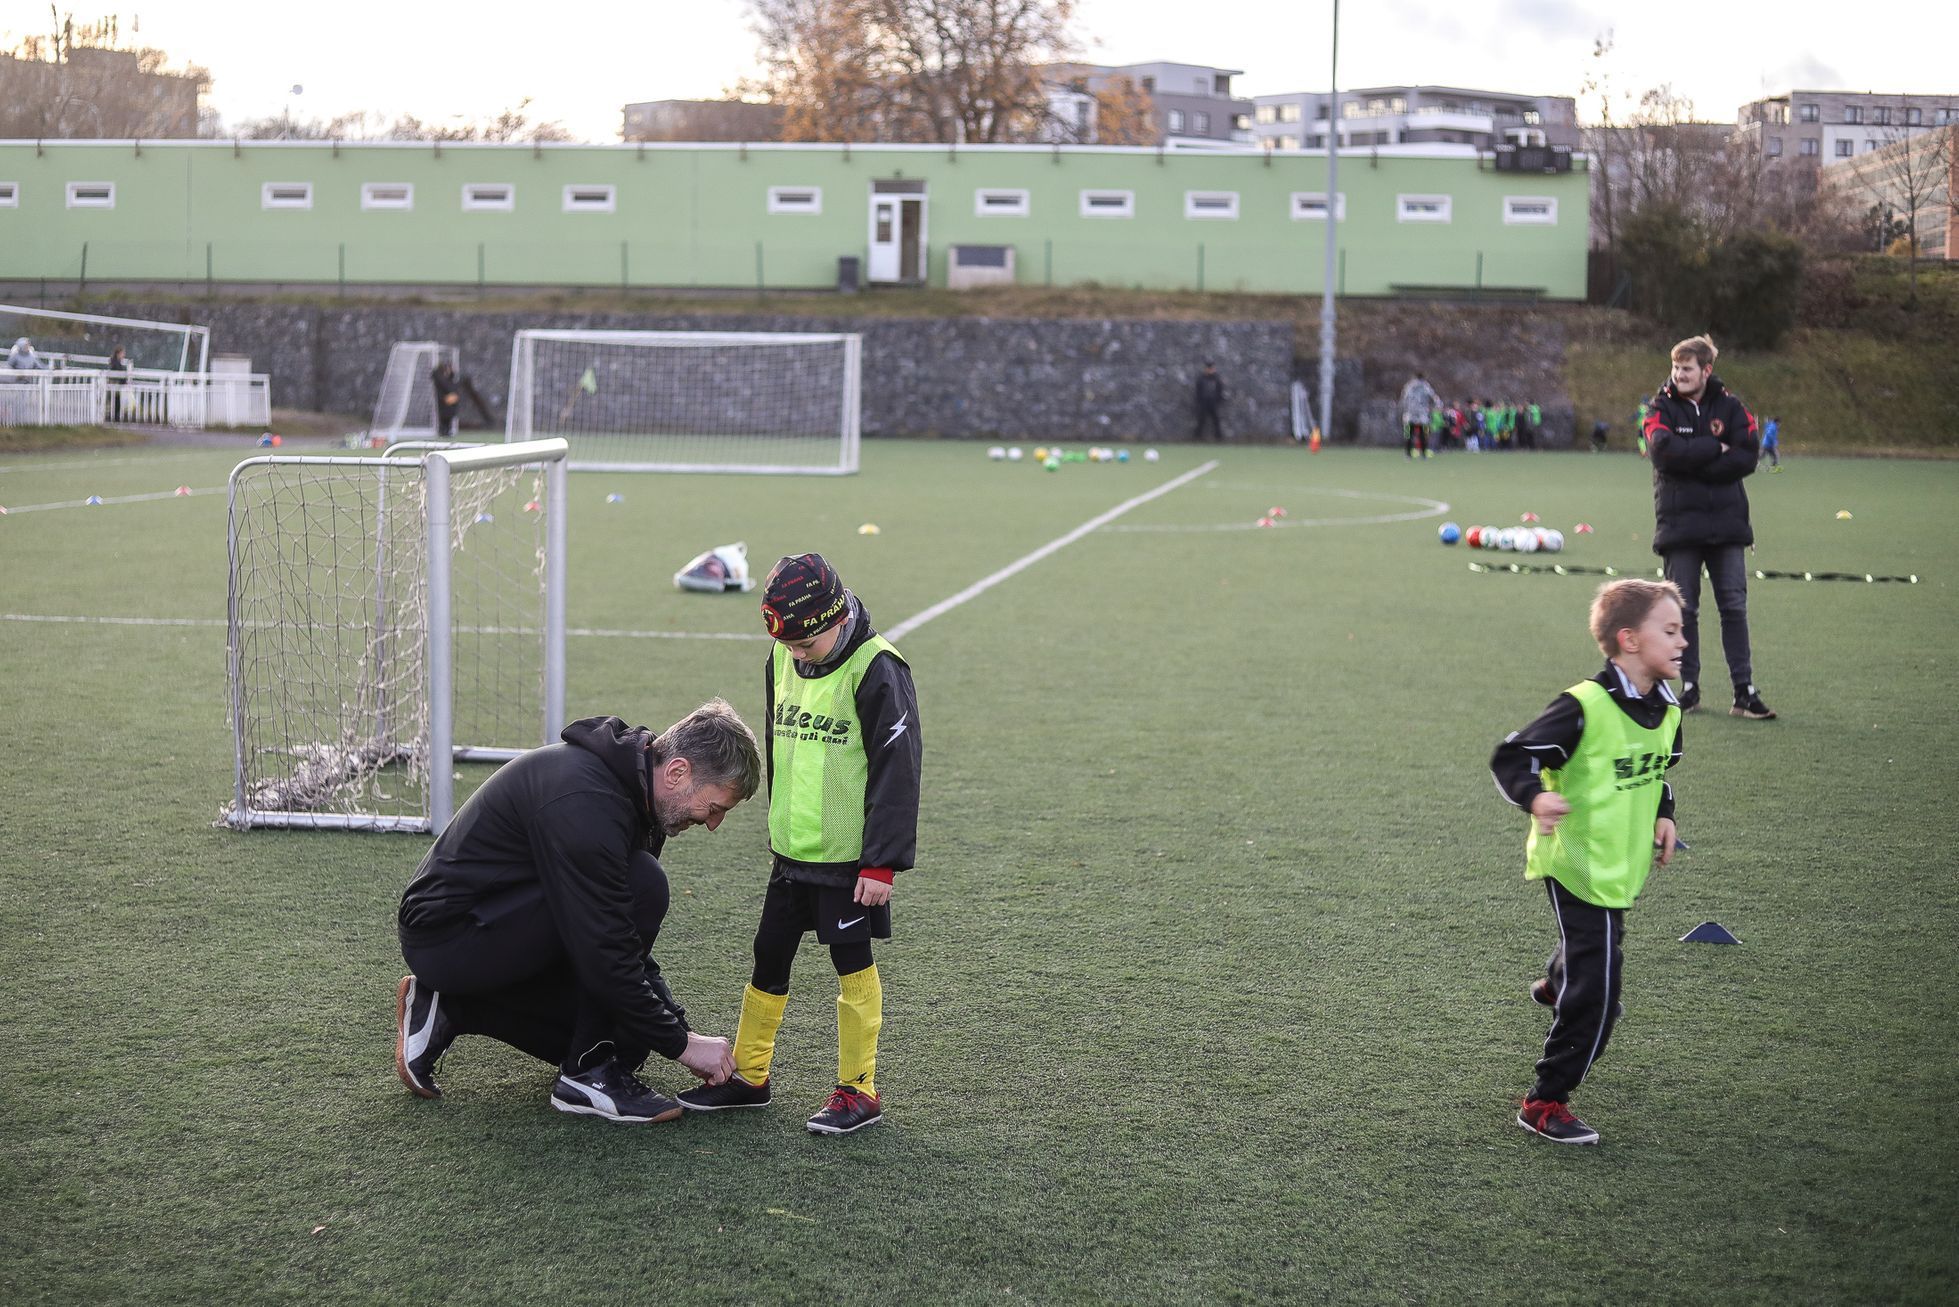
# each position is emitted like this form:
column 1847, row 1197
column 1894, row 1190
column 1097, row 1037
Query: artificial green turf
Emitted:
column 1209, row 986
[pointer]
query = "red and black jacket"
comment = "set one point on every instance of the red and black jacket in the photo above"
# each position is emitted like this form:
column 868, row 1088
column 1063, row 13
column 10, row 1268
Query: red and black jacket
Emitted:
column 1698, row 499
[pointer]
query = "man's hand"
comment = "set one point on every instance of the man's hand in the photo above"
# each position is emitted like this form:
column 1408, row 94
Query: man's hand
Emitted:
column 871, row 893
column 1549, row 807
column 708, row 1056
column 1664, row 838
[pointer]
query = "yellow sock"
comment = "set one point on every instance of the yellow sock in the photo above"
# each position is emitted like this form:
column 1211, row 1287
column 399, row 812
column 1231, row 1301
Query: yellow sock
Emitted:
column 860, row 1015
column 761, row 1016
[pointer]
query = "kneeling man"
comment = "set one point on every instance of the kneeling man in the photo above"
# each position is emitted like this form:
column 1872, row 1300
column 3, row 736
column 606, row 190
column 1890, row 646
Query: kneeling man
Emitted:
column 531, row 918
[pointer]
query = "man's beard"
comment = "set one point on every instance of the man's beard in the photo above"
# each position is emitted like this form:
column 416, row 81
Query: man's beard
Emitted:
column 670, row 814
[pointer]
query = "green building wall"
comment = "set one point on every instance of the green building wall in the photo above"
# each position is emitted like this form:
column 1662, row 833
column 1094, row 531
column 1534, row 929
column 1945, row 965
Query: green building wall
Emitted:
column 698, row 216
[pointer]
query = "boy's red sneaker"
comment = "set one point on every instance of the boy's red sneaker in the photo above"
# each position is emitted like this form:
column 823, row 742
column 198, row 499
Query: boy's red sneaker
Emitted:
column 848, row 1109
column 1553, row 1120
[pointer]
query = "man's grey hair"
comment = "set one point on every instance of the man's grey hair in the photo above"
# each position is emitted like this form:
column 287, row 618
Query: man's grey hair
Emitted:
column 717, row 743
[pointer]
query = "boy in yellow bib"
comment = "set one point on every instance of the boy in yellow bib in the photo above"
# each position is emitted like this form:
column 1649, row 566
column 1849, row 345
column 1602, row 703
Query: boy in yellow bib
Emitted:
column 843, row 760
column 1591, row 771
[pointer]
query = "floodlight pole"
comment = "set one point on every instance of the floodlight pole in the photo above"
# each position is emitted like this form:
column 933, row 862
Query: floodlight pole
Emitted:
column 1332, row 231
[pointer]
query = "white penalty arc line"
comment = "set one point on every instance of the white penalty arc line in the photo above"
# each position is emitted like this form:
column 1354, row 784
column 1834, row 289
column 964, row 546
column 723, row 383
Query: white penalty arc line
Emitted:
column 1021, row 564
column 1426, row 508
column 593, row 632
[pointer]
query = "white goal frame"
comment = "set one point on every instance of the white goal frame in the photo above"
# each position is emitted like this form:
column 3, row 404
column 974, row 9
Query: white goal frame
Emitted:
column 521, row 423
column 434, row 469
column 397, row 414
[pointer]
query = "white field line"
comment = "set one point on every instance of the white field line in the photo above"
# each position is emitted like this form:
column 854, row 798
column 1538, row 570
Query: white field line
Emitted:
column 170, row 457
column 1424, row 508
column 984, row 584
column 11, row 509
column 598, row 633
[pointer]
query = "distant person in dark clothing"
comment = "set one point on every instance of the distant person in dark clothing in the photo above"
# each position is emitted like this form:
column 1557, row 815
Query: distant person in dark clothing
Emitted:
column 448, row 398
column 1210, row 402
column 118, row 370
column 531, row 918
column 1600, row 429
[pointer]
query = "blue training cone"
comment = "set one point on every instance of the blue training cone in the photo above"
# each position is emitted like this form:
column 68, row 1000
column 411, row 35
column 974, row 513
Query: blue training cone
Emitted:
column 1709, row 932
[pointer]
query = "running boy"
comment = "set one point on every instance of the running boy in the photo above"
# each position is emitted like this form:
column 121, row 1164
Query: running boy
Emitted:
column 843, row 761
column 1591, row 771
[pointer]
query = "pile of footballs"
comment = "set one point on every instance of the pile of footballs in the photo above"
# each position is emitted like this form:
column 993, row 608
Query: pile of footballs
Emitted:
column 1526, row 539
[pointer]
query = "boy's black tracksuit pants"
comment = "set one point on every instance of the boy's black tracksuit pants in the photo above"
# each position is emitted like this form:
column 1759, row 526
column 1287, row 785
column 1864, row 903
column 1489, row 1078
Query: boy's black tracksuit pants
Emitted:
column 1584, row 975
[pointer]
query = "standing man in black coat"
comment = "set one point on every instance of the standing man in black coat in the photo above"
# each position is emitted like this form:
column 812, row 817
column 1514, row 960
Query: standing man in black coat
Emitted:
column 1703, row 444
column 448, row 398
column 1210, row 402
column 531, row 918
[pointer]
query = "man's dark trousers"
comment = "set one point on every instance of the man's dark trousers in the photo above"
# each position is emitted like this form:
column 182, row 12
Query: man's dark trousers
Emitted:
column 1727, row 569
column 1584, row 975
column 503, row 971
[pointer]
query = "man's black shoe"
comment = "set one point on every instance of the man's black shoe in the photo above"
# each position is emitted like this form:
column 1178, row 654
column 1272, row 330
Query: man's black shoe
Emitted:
column 1690, row 697
column 1749, row 704
column 848, row 1109
column 610, row 1091
column 422, row 1036
column 733, row 1092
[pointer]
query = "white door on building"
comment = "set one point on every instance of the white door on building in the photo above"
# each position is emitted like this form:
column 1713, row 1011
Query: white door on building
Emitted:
column 897, row 238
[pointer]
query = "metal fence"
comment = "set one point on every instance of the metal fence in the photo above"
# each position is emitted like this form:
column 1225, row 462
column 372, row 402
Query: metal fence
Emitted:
column 142, row 397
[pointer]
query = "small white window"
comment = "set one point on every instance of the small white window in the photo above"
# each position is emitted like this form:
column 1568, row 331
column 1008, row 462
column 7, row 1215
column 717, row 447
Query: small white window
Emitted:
column 1540, row 210
column 489, row 197
column 1176, row 117
column 91, row 195
column 387, row 195
column 795, row 199
column 1108, row 204
column 591, row 199
column 9, row 195
column 286, row 195
column 1000, row 204
column 1310, row 206
column 1211, row 204
column 1421, row 208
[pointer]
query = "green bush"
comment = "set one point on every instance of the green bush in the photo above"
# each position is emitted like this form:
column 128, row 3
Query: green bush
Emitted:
column 1745, row 289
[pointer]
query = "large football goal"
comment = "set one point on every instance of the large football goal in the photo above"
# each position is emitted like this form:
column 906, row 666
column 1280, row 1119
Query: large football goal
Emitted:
column 690, row 401
column 390, row 617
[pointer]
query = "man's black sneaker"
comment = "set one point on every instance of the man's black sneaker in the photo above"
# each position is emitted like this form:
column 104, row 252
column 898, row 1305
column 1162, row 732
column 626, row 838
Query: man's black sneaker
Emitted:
column 1541, row 992
column 848, row 1109
column 1749, row 704
column 422, row 1036
column 1555, row 1122
column 1690, row 697
column 610, row 1091
column 733, row 1092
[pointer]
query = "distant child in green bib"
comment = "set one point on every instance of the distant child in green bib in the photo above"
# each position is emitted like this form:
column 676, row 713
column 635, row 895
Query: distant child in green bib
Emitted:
column 844, row 762
column 1591, row 772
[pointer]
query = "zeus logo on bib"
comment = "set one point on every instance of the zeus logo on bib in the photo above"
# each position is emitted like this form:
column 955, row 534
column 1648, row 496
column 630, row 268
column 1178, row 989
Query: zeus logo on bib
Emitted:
column 795, row 723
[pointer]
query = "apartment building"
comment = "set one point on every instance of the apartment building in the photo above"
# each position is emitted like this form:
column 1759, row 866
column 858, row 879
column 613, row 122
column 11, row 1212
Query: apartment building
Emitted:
column 1192, row 104
column 1826, row 127
column 1415, row 115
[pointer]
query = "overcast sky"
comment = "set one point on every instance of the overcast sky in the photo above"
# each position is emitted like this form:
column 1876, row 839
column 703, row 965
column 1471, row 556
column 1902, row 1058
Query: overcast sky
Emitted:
column 581, row 61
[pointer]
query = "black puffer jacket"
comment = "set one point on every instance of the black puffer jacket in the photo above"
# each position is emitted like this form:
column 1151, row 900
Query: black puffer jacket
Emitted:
column 567, row 817
column 1698, row 499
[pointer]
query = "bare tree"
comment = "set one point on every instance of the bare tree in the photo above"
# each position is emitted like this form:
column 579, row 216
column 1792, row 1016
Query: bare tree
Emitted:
column 1909, row 175
column 951, row 71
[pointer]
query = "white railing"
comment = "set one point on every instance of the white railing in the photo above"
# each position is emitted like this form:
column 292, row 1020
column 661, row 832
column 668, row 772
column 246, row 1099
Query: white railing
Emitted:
column 187, row 400
column 46, row 399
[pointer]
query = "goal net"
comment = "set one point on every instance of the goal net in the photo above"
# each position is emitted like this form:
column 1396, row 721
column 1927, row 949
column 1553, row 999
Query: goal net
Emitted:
column 86, row 340
column 390, row 616
column 405, row 407
column 690, row 401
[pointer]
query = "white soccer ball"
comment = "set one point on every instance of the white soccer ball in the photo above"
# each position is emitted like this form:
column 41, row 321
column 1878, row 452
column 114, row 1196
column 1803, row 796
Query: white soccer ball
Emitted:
column 1150, row 456
column 1506, row 540
column 1526, row 540
column 997, row 453
column 1554, row 541
column 1013, row 454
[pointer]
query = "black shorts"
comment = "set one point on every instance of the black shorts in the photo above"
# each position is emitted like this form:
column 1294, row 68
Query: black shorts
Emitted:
column 794, row 906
